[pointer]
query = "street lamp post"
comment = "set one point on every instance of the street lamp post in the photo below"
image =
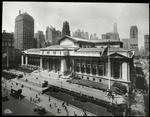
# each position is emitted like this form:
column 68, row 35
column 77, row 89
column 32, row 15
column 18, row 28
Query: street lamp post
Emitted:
column 61, row 84
column 108, row 67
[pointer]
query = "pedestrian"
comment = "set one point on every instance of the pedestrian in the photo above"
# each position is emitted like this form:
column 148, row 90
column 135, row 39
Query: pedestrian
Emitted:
column 57, row 110
column 67, row 110
column 50, row 106
column 11, row 87
column 49, row 98
column 33, row 99
column 36, row 95
column 39, row 99
column 63, row 103
column 55, row 105
column 30, row 98
column 74, row 112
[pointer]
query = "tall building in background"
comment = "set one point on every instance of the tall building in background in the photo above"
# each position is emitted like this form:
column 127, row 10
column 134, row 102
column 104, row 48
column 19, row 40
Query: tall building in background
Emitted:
column 7, row 48
column 65, row 29
column 132, row 42
column 24, row 31
column 134, row 32
column 52, row 35
column 111, row 35
column 40, row 39
column 48, row 34
column 86, row 35
column 24, row 34
column 146, row 44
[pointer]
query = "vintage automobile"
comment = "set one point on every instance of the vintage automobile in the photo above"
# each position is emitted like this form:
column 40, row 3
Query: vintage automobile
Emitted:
column 40, row 110
column 20, row 76
column 45, row 84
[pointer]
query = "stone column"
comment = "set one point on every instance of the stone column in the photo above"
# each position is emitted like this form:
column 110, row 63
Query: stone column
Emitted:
column 41, row 63
column 26, row 60
column 85, row 66
column 48, row 64
column 22, row 60
column 73, row 65
column 63, row 66
column 54, row 65
column 91, row 69
column 128, row 77
column 97, row 68
column 80, row 66
column 120, row 76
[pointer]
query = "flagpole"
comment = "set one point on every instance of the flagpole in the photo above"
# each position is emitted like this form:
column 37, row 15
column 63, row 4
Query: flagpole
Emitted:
column 108, row 67
column 7, row 58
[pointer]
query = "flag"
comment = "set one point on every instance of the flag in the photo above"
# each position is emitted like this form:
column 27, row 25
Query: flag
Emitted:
column 104, row 53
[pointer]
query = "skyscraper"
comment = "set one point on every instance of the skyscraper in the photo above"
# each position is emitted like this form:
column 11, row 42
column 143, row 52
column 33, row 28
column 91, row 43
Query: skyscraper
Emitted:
column 48, row 34
column 65, row 29
column 112, row 35
column 24, row 31
column 86, row 35
column 146, row 43
column 40, row 39
column 132, row 42
column 134, row 32
column 52, row 35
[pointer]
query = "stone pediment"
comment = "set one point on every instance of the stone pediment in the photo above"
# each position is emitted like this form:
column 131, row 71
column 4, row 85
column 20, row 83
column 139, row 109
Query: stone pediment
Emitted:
column 116, row 55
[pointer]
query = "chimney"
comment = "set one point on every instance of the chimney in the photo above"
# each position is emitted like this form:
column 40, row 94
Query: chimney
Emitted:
column 115, row 28
column 19, row 12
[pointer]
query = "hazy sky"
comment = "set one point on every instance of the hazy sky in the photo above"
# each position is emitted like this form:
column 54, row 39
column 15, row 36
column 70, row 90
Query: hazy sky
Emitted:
column 91, row 17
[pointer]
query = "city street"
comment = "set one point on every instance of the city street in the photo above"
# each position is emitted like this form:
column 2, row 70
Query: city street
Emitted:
column 74, row 87
column 23, row 107
column 44, row 98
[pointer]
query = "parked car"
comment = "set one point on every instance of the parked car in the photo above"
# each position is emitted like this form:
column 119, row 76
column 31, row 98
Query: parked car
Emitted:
column 20, row 76
column 45, row 84
column 39, row 109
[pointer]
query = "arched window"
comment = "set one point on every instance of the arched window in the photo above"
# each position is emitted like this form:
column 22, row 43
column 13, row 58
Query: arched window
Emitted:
column 80, row 45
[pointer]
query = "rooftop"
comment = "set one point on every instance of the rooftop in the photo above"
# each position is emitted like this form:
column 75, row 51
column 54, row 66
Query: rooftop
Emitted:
column 60, row 47
column 89, row 40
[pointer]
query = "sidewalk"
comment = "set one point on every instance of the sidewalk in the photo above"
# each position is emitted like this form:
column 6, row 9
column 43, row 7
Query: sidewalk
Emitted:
column 45, row 102
column 78, row 88
column 74, row 87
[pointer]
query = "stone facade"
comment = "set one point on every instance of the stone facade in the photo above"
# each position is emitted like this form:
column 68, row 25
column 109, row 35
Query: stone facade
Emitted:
column 87, row 63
